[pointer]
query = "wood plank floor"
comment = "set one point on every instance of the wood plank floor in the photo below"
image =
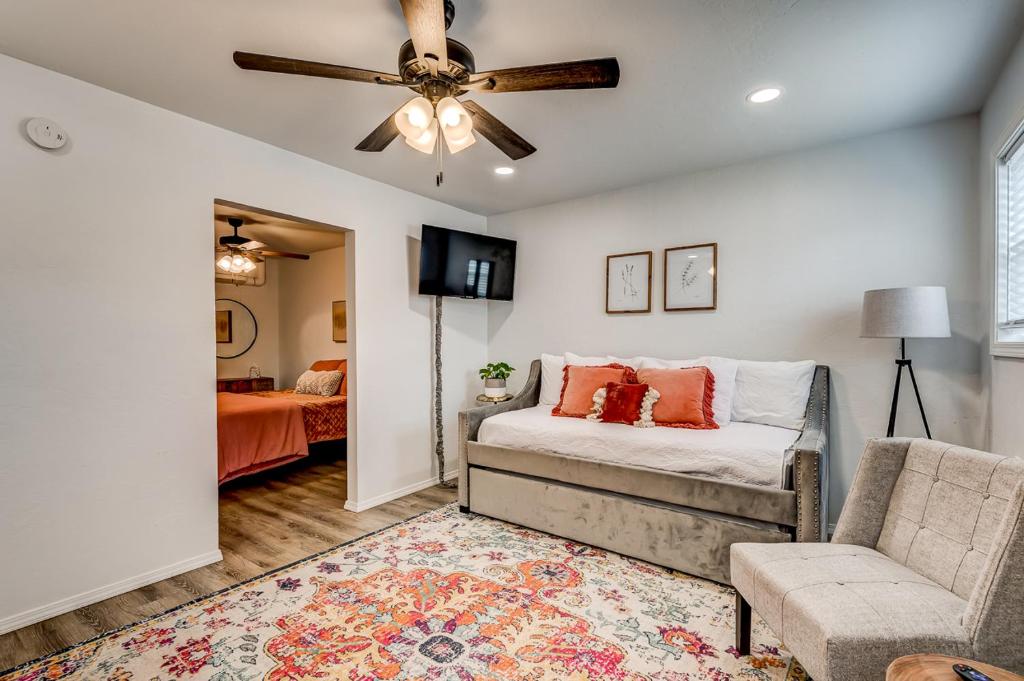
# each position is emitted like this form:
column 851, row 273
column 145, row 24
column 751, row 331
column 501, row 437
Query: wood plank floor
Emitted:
column 266, row 521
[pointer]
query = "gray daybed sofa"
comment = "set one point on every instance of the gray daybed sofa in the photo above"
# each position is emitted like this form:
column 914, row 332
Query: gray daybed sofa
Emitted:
column 676, row 520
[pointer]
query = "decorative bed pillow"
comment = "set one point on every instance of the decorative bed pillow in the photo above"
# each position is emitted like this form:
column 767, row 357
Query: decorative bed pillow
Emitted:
column 333, row 365
column 323, row 383
column 773, row 393
column 629, row 403
column 686, row 397
column 579, row 383
column 724, row 370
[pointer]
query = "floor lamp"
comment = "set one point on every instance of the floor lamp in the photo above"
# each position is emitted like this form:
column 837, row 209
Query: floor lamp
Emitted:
column 912, row 312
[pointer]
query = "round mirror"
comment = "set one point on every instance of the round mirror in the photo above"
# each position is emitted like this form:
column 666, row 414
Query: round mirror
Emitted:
column 236, row 329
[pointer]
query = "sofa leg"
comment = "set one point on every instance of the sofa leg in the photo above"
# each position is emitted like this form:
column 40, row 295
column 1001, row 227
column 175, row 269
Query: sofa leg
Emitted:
column 742, row 625
column 463, row 509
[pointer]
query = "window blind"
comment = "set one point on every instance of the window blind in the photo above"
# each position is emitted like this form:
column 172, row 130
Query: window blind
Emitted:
column 1012, row 207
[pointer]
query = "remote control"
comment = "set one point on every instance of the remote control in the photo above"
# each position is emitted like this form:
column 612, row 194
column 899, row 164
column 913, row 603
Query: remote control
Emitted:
column 970, row 673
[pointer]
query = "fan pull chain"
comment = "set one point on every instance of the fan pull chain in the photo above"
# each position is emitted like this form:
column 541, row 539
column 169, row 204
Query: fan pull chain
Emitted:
column 439, row 178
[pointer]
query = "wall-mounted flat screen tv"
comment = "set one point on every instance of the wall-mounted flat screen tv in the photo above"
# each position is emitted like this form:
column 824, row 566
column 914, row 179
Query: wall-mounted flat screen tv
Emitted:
column 467, row 265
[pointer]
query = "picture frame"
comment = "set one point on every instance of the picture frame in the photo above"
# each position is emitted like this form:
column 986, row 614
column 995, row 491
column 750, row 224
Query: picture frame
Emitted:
column 224, row 326
column 339, row 322
column 691, row 278
column 627, row 283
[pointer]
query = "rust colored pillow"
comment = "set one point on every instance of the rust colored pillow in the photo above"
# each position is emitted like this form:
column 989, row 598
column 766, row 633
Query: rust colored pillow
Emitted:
column 622, row 402
column 333, row 365
column 579, row 384
column 686, row 396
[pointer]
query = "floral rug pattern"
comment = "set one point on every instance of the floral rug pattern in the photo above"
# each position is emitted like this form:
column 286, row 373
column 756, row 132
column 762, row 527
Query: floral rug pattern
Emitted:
column 444, row 596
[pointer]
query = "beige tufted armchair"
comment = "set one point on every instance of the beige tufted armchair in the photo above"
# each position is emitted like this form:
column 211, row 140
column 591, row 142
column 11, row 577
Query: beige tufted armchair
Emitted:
column 927, row 557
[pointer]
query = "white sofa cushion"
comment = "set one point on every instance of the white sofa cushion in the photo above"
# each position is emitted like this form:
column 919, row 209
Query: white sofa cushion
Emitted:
column 724, row 370
column 551, row 378
column 772, row 393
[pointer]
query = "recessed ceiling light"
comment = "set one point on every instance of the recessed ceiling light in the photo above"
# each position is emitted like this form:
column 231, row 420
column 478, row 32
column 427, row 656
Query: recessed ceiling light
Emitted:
column 504, row 170
column 764, row 95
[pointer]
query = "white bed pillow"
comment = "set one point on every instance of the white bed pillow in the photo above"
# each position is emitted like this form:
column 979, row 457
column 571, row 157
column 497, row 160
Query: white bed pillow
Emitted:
column 631, row 362
column 724, row 370
column 773, row 393
column 551, row 378
column 572, row 359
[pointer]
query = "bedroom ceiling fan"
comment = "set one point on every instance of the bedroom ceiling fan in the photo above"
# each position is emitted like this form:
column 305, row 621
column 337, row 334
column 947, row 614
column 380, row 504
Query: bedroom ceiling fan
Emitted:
column 440, row 70
column 241, row 254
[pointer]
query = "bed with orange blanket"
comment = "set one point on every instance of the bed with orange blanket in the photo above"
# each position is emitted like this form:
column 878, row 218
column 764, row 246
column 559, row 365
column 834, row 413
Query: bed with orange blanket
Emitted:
column 324, row 418
column 254, row 434
column 260, row 430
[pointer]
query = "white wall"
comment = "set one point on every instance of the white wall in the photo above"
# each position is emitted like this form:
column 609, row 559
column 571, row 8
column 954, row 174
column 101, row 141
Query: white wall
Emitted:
column 308, row 287
column 1003, row 112
column 107, row 410
column 263, row 301
column 800, row 238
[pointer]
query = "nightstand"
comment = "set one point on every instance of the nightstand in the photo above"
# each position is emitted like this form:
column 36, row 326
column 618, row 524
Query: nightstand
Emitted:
column 244, row 385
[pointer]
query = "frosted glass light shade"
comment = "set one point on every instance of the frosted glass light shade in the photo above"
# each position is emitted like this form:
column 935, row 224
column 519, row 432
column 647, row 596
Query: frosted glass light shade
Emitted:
column 415, row 117
column 455, row 145
column 911, row 312
column 424, row 141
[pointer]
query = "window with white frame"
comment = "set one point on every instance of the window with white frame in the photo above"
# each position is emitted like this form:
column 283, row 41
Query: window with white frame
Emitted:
column 1009, row 316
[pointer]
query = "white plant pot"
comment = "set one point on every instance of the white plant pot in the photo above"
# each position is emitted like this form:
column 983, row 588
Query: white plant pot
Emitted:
column 494, row 387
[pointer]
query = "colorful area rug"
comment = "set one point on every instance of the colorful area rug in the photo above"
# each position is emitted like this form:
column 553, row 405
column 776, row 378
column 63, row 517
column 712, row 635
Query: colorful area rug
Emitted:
column 442, row 596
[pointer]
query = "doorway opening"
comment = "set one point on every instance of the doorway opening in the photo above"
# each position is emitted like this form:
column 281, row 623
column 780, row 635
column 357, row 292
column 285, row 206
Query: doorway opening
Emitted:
column 283, row 324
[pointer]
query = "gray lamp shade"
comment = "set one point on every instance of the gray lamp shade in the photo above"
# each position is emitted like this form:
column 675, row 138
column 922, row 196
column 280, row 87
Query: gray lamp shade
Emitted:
column 911, row 312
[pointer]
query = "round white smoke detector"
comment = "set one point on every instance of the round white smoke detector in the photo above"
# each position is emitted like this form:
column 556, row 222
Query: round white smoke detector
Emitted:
column 46, row 134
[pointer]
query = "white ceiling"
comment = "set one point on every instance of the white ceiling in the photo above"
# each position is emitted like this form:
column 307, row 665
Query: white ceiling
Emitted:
column 278, row 232
column 848, row 67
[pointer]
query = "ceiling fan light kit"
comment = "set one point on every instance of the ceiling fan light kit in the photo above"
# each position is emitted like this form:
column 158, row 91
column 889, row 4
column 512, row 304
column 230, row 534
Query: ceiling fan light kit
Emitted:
column 440, row 70
column 241, row 255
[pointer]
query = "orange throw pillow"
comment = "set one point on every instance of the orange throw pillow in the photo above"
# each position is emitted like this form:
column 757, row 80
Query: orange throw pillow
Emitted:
column 686, row 396
column 579, row 384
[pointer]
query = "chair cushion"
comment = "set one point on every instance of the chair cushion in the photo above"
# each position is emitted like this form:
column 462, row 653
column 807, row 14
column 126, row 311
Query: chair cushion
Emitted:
column 946, row 504
column 847, row 611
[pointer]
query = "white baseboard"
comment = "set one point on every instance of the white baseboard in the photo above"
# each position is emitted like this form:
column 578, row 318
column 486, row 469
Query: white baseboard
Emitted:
column 23, row 619
column 389, row 496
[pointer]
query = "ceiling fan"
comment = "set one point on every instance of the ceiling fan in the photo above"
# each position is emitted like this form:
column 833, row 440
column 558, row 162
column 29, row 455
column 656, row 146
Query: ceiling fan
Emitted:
column 440, row 70
column 241, row 254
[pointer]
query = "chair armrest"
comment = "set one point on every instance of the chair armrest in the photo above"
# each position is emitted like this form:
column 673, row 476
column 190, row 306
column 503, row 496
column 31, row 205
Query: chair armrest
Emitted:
column 810, row 463
column 470, row 420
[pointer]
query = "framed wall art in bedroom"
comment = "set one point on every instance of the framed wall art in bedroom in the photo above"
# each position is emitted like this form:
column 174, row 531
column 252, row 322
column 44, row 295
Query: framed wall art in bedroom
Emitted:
column 691, row 277
column 628, row 283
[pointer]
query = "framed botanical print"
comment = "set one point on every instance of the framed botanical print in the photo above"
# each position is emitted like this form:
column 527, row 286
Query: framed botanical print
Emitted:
column 338, row 321
column 691, row 277
column 224, row 326
column 628, row 283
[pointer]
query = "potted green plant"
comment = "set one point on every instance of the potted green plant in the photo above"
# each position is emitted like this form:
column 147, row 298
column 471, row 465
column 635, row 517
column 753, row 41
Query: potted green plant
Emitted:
column 494, row 375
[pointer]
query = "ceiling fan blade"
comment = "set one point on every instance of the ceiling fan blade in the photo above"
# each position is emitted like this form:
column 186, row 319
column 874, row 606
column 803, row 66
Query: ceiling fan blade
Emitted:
column 266, row 62
column 283, row 254
column 382, row 135
column 569, row 75
column 499, row 134
column 252, row 245
column 425, row 19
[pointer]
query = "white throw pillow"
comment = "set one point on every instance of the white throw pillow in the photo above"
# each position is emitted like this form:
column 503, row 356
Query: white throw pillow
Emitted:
column 724, row 370
column 631, row 362
column 323, row 383
column 572, row 359
column 551, row 378
column 773, row 393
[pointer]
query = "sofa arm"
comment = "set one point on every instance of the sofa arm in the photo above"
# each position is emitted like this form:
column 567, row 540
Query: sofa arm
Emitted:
column 470, row 420
column 810, row 464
